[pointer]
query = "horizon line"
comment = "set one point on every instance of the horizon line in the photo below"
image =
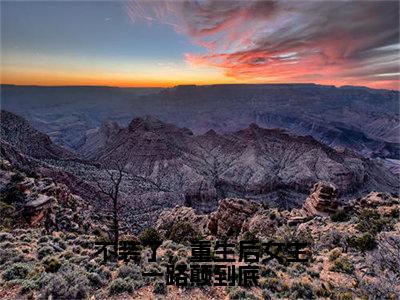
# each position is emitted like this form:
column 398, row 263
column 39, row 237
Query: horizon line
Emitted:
column 199, row 85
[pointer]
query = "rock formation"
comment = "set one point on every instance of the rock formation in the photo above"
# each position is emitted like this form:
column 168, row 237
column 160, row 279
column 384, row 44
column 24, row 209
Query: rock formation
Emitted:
column 233, row 217
column 181, row 214
column 322, row 201
column 229, row 218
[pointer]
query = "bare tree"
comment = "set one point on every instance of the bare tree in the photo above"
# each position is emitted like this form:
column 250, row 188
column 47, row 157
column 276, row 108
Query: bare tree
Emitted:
column 115, row 172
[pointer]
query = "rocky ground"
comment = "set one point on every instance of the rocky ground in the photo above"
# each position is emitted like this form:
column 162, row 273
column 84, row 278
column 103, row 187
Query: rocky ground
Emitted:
column 47, row 247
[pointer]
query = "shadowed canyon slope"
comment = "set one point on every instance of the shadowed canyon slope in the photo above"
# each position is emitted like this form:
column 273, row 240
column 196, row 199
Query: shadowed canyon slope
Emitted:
column 256, row 163
column 19, row 133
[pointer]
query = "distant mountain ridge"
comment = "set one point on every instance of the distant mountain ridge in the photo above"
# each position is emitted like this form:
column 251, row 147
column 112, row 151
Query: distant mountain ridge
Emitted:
column 363, row 119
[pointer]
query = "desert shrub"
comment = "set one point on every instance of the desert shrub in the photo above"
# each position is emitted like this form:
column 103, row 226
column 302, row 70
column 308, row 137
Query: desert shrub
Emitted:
column 363, row 243
column 17, row 271
column 240, row 293
column 267, row 272
column 340, row 215
column 26, row 238
column 342, row 264
column 334, row 254
column 149, row 236
column 45, row 251
column 129, row 271
column 89, row 265
column 5, row 236
column 103, row 272
column 69, row 283
column 19, row 257
column 168, row 253
column 44, row 239
column 313, row 274
column 84, row 241
column 6, row 255
column 56, row 239
column 19, row 231
column 370, row 220
column 273, row 284
column 266, row 295
column 170, row 245
column 286, row 234
column 12, row 195
column 67, row 255
column 394, row 213
column 6, row 224
column 79, row 260
column 51, row 264
column 45, row 279
column 344, row 296
column 183, row 252
column 323, row 291
column 173, row 259
column 332, row 239
column 95, row 280
column 298, row 269
column 183, row 232
column 62, row 244
column 152, row 269
column 5, row 245
column 300, row 290
column 160, row 288
column 86, row 252
column 29, row 285
column 6, row 210
column 119, row 286
column 249, row 236
column 76, row 249
column 70, row 236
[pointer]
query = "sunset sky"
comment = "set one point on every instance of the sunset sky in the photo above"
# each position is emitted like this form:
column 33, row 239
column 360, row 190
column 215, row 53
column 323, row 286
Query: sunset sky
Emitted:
column 118, row 43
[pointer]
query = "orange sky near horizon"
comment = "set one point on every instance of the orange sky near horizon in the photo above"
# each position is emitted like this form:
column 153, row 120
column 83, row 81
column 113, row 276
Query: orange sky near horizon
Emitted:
column 48, row 78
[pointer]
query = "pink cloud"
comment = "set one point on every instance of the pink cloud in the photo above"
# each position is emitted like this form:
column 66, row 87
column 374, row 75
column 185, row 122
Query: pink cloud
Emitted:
column 324, row 42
